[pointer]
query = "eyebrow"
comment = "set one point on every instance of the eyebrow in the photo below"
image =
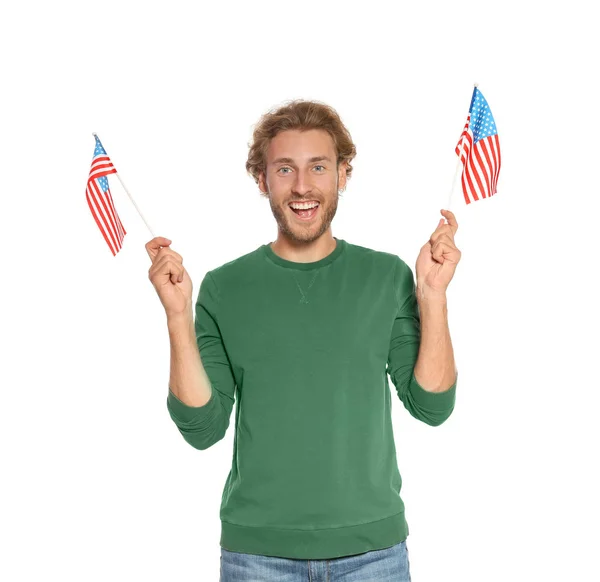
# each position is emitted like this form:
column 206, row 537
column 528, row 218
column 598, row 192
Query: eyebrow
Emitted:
column 291, row 161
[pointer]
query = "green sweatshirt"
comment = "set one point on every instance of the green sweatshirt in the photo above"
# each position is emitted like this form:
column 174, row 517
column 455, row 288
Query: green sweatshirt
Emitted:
column 305, row 349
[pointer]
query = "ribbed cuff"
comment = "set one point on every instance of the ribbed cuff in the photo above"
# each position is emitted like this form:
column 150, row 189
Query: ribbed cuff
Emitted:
column 187, row 413
column 433, row 400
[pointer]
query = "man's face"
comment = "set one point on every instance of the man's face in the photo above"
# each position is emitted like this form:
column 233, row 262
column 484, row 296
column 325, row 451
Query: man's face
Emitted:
column 307, row 172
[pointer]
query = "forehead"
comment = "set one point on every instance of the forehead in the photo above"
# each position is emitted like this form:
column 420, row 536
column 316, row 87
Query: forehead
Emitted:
column 301, row 145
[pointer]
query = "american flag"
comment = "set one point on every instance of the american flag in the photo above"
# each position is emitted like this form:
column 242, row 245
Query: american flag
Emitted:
column 479, row 152
column 100, row 200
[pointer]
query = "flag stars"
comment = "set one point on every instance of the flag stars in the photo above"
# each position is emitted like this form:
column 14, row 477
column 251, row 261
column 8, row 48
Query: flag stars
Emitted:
column 482, row 120
column 479, row 176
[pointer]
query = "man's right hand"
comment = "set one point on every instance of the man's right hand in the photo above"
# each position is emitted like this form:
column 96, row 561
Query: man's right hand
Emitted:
column 169, row 277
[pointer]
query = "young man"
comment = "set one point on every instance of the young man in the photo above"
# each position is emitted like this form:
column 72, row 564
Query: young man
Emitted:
column 303, row 332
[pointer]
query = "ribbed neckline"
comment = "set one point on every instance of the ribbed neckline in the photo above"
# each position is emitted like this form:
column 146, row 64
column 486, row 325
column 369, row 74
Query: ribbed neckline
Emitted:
column 332, row 256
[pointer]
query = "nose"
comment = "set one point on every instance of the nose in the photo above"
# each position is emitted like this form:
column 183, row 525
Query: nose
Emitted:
column 302, row 184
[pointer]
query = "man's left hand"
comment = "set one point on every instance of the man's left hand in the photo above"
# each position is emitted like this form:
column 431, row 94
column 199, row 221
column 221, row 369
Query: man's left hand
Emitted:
column 438, row 258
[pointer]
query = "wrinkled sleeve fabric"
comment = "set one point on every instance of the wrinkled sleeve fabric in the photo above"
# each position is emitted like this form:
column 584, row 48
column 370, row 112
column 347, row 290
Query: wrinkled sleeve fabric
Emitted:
column 203, row 426
column 433, row 408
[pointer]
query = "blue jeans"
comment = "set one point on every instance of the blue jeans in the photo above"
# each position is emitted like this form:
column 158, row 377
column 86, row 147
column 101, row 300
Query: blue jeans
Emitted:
column 386, row 565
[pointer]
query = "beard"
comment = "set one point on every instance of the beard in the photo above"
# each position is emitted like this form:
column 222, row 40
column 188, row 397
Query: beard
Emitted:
column 295, row 231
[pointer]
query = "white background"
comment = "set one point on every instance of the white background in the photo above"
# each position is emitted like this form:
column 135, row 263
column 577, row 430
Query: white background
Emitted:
column 97, row 482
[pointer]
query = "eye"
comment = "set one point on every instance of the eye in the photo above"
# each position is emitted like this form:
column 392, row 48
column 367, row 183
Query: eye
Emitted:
column 287, row 168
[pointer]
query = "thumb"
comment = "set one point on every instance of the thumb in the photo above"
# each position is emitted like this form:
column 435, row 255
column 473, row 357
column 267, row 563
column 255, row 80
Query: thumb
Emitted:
column 154, row 245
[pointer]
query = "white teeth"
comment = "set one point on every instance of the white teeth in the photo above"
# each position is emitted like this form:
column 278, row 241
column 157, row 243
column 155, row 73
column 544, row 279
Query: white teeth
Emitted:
column 303, row 205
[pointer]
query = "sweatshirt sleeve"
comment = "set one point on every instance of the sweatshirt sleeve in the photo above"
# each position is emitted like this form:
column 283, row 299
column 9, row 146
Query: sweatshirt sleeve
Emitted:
column 432, row 408
column 203, row 426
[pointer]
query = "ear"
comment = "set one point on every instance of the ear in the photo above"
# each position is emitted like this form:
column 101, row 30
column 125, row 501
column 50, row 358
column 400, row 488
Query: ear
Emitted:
column 261, row 182
column 342, row 175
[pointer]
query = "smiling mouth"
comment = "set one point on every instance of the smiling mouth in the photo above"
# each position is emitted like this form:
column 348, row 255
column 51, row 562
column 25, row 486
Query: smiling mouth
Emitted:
column 306, row 214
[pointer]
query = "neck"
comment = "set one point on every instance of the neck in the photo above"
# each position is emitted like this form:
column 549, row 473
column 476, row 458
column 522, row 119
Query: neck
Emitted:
column 304, row 252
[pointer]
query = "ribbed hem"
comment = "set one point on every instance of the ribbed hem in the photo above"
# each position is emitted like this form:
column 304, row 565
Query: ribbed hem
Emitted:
column 187, row 413
column 316, row 544
column 439, row 401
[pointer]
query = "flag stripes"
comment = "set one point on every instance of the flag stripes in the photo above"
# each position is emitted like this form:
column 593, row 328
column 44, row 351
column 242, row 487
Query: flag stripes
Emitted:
column 478, row 149
column 100, row 200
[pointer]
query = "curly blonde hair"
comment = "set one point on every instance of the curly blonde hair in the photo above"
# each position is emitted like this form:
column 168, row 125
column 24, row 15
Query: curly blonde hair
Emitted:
column 302, row 115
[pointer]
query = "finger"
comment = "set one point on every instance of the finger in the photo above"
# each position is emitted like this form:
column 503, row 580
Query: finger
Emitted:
column 165, row 265
column 442, row 251
column 438, row 251
column 168, row 251
column 438, row 228
column 449, row 216
column 444, row 230
column 155, row 244
column 445, row 237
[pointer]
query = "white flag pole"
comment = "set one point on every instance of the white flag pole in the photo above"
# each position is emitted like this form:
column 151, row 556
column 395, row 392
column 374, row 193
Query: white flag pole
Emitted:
column 458, row 166
column 130, row 197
